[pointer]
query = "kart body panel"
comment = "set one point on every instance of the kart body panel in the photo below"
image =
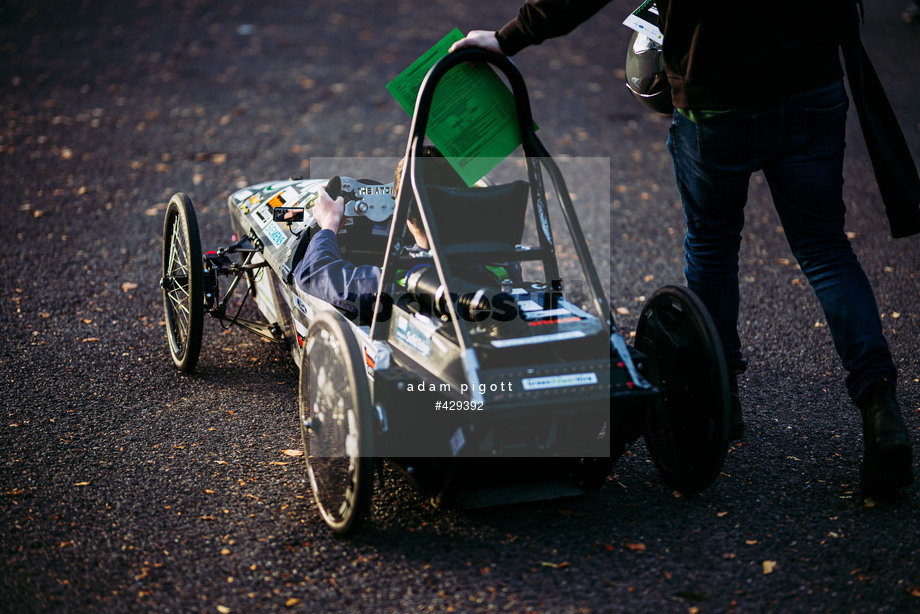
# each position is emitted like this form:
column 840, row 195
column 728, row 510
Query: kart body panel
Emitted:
column 556, row 365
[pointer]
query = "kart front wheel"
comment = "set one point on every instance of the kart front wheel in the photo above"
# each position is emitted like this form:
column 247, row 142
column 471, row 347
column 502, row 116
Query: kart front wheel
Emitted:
column 687, row 428
column 183, row 295
column 336, row 423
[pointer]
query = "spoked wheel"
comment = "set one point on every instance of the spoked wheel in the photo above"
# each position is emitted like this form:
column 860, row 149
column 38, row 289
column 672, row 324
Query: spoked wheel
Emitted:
column 181, row 282
column 335, row 418
column 687, row 428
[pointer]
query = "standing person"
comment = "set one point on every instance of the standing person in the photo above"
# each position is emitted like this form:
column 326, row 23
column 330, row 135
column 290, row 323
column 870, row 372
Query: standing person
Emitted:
column 775, row 103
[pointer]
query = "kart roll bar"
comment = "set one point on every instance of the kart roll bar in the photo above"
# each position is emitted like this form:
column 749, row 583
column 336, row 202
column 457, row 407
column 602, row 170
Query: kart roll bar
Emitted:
column 535, row 154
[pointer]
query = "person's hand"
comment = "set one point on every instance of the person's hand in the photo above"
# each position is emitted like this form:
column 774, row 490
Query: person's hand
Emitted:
column 484, row 39
column 329, row 214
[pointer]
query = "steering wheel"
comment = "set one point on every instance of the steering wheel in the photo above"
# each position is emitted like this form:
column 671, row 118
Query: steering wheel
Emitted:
column 371, row 200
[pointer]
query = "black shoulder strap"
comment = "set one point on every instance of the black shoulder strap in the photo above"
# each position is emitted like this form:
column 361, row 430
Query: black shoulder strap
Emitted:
column 895, row 172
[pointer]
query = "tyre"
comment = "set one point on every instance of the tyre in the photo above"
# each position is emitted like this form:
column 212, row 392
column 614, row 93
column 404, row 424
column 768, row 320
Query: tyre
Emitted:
column 591, row 473
column 183, row 296
column 687, row 428
column 336, row 423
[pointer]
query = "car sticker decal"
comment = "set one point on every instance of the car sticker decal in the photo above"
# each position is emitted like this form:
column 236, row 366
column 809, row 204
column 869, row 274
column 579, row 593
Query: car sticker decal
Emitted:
column 529, row 305
column 286, row 198
column 301, row 331
column 559, row 381
column 411, row 335
column 303, row 308
column 572, row 334
column 262, row 215
column 546, row 313
column 275, row 234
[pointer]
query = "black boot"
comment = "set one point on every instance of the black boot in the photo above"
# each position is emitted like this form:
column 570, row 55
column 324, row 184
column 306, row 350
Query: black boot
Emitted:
column 736, row 420
column 887, row 459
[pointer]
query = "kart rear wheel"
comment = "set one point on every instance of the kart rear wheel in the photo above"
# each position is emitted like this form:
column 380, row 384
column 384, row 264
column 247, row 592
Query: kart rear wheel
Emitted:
column 336, row 423
column 183, row 295
column 687, row 428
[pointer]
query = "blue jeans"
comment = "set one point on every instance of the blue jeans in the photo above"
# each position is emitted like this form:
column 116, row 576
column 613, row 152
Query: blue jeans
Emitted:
column 799, row 144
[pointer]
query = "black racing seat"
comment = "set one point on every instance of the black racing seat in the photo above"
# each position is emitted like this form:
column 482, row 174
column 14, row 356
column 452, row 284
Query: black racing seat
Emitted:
column 477, row 231
column 485, row 220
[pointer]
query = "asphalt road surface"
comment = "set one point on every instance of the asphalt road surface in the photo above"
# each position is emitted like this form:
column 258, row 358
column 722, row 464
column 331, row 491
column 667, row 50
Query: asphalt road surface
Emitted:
column 126, row 486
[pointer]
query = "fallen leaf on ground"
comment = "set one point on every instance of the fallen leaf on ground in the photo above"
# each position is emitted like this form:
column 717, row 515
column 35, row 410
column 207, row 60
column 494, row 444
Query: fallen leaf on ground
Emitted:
column 768, row 567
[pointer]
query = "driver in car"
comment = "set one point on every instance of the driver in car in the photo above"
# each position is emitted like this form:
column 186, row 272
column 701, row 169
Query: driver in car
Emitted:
column 323, row 272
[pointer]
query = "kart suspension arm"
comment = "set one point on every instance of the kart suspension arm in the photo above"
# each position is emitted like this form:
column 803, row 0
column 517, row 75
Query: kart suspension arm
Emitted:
column 246, row 268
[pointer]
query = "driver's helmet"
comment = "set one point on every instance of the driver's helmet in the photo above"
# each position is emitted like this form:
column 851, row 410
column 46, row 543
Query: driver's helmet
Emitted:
column 645, row 74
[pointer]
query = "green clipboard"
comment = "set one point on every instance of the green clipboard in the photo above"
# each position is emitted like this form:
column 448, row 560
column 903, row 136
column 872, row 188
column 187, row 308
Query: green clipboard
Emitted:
column 473, row 119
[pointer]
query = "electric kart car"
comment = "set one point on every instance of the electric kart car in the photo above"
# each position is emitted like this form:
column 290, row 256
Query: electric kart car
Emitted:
column 469, row 388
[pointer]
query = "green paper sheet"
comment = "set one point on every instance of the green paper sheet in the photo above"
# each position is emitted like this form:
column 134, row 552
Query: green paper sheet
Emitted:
column 473, row 121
